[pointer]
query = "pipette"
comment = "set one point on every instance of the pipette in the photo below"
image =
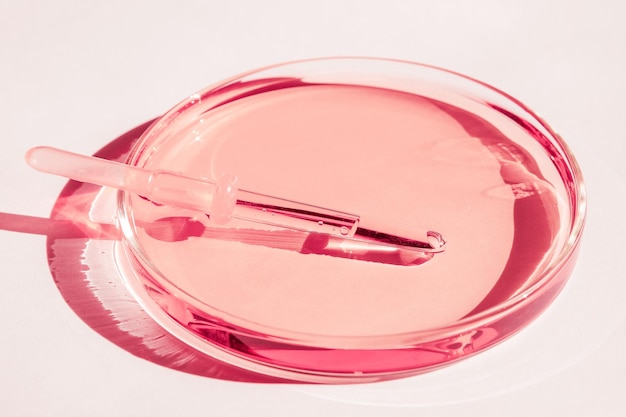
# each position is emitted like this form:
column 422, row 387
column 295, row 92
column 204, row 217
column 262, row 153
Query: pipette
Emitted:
column 223, row 201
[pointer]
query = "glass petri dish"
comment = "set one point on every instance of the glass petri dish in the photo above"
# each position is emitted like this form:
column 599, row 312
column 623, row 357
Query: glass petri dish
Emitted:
column 407, row 147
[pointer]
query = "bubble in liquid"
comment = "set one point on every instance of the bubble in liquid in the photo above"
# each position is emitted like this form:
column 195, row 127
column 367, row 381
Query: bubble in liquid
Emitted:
column 344, row 230
column 517, row 191
column 435, row 240
column 321, row 223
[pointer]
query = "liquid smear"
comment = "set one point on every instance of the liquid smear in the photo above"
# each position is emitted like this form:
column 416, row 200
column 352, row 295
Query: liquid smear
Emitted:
column 404, row 163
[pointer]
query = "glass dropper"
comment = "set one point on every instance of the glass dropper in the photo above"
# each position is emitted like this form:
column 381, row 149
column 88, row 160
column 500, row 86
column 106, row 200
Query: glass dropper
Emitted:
column 223, row 201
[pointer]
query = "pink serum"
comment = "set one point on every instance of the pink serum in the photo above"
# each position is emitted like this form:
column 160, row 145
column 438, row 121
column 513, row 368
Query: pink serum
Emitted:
column 343, row 220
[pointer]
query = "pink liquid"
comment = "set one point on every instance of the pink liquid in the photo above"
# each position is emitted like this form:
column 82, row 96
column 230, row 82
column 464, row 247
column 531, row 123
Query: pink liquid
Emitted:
column 402, row 162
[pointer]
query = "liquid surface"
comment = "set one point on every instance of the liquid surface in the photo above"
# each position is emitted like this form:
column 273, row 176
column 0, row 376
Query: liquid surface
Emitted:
column 399, row 161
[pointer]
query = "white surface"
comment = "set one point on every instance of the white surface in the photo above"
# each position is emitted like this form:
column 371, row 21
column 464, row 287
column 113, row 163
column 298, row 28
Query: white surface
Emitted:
column 78, row 74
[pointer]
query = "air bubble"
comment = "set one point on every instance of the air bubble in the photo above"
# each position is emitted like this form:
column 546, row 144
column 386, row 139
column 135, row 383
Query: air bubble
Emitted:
column 516, row 191
column 435, row 240
column 344, row 230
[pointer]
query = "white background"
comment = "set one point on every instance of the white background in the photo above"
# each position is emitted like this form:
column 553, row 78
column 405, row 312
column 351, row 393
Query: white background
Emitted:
column 77, row 74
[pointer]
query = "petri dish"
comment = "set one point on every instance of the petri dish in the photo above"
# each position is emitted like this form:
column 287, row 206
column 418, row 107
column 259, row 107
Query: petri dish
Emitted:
column 411, row 150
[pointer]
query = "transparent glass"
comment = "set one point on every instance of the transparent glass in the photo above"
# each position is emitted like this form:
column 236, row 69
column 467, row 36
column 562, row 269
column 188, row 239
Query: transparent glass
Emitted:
column 410, row 148
column 222, row 201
